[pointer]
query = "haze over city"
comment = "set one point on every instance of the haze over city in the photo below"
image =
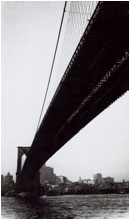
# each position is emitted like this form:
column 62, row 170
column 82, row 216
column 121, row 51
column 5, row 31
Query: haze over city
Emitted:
column 28, row 42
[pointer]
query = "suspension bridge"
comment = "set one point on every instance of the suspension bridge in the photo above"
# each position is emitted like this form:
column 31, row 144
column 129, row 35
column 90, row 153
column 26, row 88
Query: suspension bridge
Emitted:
column 94, row 68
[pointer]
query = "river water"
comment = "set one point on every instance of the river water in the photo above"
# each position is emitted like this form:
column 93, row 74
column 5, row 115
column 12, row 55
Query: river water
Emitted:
column 67, row 207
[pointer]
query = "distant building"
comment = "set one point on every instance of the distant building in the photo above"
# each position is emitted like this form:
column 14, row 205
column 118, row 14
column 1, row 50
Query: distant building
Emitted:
column 88, row 182
column 2, row 180
column 7, row 183
column 8, row 179
column 80, row 180
column 98, row 178
column 62, row 180
column 47, row 175
column 107, row 180
column 91, row 182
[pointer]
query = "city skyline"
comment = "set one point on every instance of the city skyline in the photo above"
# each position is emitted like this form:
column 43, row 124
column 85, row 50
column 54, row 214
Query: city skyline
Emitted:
column 80, row 178
column 51, row 184
column 101, row 146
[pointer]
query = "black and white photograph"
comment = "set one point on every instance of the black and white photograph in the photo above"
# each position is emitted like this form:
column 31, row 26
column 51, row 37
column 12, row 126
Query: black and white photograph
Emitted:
column 64, row 109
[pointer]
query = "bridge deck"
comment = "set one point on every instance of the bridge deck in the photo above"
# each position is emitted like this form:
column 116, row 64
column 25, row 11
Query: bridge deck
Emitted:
column 96, row 76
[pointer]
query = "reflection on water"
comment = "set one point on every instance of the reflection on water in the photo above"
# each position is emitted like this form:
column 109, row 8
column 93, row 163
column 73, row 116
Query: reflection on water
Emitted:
column 67, row 207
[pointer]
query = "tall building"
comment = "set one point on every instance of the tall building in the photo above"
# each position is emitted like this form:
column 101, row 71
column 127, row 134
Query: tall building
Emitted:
column 98, row 178
column 80, row 180
column 8, row 179
column 47, row 175
column 7, row 183
column 108, row 180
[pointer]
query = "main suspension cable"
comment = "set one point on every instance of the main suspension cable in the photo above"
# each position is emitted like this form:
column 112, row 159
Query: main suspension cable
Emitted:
column 52, row 66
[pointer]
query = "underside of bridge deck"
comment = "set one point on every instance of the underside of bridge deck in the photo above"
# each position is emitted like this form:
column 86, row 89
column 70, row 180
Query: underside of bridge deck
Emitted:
column 96, row 76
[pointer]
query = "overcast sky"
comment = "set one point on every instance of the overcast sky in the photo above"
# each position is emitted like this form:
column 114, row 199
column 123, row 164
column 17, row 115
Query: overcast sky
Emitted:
column 29, row 33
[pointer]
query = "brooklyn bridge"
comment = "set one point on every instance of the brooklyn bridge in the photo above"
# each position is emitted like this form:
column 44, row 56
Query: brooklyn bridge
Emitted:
column 96, row 75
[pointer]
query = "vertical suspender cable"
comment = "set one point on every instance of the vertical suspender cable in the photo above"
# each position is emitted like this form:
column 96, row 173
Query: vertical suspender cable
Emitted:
column 52, row 65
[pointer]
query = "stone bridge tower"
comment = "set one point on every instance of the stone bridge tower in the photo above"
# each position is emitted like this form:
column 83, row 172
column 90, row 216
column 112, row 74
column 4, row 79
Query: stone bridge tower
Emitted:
column 28, row 186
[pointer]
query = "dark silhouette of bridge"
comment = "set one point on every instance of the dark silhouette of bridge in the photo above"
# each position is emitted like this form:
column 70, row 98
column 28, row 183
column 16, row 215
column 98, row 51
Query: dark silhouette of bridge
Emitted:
column 97, row 75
